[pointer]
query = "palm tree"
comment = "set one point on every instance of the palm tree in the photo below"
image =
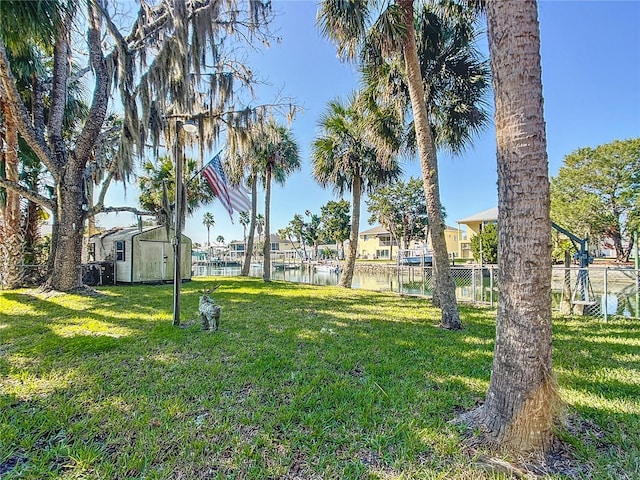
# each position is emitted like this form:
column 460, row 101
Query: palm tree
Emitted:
column 280, row 156
column 208, row 221
column 393, row 34
column 158, row 181
column 260, row 227
column 220, row 239
column 245, row 220
column 244, row 165
column 27, row 31
column 347, row 158
column 519, row 410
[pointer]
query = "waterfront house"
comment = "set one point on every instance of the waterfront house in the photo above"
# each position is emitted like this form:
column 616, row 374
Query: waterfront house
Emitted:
column 376, row 243
column 473, row 225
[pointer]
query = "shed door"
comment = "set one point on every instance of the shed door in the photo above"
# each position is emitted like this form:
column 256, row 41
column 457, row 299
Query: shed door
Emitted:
column 154, row 259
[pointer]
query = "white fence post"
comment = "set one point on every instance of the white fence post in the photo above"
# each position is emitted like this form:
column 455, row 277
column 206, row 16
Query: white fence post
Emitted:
column 606, row 292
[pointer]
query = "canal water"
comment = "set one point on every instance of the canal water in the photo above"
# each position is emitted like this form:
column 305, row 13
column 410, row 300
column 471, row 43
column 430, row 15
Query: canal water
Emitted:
column 611, row 291
column 384, row 281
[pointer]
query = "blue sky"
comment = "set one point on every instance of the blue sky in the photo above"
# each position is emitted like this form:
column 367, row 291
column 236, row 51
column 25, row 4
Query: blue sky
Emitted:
column 591, row 80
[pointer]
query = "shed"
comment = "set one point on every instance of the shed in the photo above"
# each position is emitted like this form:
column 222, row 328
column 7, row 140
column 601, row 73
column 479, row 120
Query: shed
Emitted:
column 139, row 256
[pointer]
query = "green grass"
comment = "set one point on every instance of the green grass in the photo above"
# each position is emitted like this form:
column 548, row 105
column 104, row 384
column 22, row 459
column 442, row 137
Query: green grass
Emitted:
column 300, row 382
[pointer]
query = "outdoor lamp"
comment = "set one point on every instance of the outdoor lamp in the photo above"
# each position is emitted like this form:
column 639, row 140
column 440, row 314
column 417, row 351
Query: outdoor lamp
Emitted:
column 189, row 127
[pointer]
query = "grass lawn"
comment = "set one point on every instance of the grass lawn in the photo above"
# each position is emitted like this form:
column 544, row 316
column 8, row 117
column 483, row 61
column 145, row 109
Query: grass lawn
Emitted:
column 300, row 382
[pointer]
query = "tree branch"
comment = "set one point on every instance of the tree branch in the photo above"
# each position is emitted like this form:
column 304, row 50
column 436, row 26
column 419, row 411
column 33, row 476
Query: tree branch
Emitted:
column 103, row 192
column 100, row 100
column 29, row 194
column 121, row 209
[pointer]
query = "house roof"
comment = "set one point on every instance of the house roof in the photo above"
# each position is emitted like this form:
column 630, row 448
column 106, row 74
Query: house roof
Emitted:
column 487, row 215
column 377, row 230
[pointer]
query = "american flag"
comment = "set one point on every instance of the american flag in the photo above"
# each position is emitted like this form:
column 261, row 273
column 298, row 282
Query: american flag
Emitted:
column 232, row 198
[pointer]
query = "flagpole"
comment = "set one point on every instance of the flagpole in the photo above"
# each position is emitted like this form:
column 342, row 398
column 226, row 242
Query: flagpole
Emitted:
column 203, row 167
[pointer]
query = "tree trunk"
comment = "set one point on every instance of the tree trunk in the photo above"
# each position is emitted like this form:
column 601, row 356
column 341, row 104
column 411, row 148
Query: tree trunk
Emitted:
column 65, row 273
column 31, row 232
column 616, row 238
column 519, row 410
column 350, row 263
column 12, row 239
column 266, row 247
column 248, row 254
column 444, row 294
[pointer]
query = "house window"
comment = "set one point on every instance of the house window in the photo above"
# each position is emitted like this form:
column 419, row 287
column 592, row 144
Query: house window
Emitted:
column 382, row 253
column 120, row 250
column 275, row 247
column 385, row 241
column 91, row 252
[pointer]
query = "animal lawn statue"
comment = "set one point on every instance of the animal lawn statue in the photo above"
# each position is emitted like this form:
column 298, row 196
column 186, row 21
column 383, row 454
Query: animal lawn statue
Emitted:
column 209, row 311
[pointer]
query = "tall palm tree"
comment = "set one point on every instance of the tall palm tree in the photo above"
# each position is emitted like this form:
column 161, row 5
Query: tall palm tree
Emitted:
column 349, row 25
column 260, row 227
column 27, row 31
column 280, row 156
column 11, row 233
column 208, row 221
column 245, row 220
column 519, row 410
column 348, row 156
column 244, row 163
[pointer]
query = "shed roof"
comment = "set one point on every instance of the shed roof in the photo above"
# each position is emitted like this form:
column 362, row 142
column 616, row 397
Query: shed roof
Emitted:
column 119, row 233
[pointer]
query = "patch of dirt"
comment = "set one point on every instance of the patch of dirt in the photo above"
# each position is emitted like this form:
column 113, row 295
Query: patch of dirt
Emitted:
column 85, row 290
column 560, row 460
column 11, row 463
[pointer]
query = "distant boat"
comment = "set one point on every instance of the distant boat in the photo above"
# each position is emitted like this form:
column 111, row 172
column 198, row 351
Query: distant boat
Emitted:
column 426, row 260
column 327, row 268
column 286, row 266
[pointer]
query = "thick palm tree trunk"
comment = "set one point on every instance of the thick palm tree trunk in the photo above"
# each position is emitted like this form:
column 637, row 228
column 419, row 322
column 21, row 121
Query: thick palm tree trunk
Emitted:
column 518, row 413
column 444, row 295
column 252, row 227
column 350, row 263
column 12, row 240
column 266, row 246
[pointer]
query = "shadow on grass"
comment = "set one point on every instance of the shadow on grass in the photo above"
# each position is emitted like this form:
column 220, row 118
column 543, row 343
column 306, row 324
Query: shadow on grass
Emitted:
column 300, row 380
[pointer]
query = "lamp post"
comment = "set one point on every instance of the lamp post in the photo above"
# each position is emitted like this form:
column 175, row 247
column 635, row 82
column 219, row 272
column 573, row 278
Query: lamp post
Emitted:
column 188, row 127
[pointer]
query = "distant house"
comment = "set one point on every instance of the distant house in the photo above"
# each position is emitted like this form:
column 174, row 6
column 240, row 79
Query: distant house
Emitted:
column 474, row 225
column 378, row 243
column 283, row 249
column 280, row 248
column 139, row 256
column 236, row 249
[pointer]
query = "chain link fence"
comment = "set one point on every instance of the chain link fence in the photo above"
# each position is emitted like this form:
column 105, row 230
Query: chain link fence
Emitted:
column 595, row 291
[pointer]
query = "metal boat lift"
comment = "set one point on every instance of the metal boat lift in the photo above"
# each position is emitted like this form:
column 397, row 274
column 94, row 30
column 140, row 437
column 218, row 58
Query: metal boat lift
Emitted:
column 582, row 294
